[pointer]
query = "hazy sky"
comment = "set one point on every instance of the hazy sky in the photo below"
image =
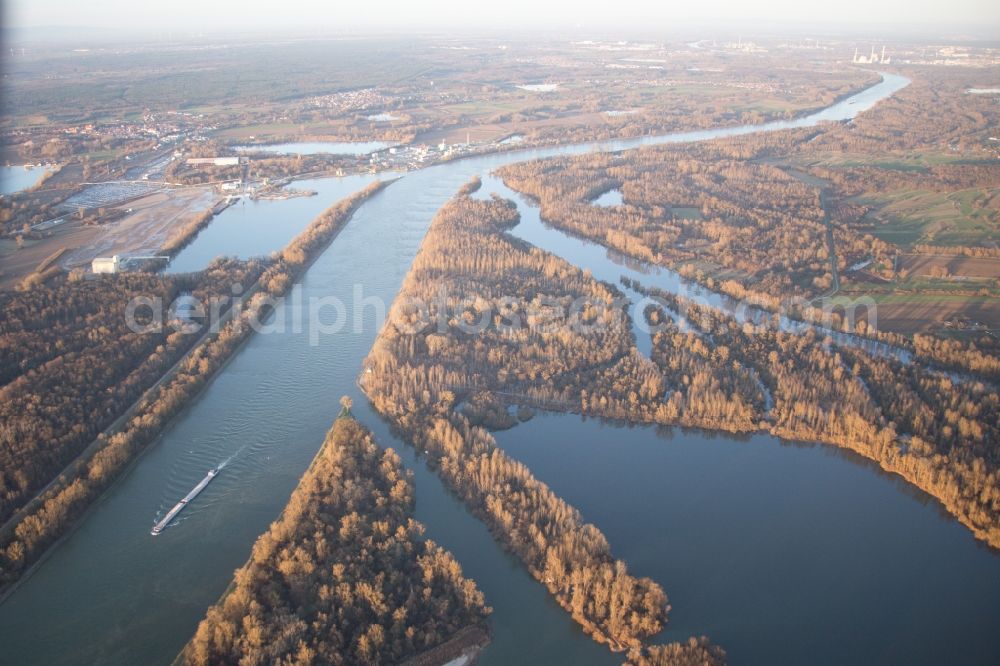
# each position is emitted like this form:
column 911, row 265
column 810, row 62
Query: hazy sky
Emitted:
column 333, row 15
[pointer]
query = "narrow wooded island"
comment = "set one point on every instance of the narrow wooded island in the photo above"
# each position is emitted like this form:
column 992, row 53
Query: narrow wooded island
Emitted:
column 415, row 375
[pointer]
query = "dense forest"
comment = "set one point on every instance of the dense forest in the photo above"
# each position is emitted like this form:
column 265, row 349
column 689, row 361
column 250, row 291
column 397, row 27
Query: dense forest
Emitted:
column 419, row 377
column 737, row 219
column 938, row 432
column 763, row 219
column 25, row 537
column 70, row 364
column 344, row 576
column 932, row 112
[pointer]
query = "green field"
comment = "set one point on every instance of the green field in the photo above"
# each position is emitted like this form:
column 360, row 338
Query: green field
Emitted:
column 683, row 213
column 910, row 217
column 911, row 161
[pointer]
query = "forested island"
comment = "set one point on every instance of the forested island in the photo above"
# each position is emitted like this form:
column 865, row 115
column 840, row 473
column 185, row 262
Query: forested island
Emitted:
column 345, row 576
column 759, row 218
column 937, row 432
column 418, row 378
column 78, row 358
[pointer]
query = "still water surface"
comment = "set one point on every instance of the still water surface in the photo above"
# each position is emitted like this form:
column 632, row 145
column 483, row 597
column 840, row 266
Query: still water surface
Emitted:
column 781, row 553
column 111, row 593
column 609, row 198
column 16, row 178
column 251, row 228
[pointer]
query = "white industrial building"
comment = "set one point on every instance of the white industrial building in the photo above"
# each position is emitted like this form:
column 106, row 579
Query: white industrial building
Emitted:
column 106, row 264
column 213, row 161
column 873, row 59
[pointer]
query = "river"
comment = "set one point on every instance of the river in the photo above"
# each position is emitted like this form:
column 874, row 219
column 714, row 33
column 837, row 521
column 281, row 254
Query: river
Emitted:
column 111, row 593
column 610, row 266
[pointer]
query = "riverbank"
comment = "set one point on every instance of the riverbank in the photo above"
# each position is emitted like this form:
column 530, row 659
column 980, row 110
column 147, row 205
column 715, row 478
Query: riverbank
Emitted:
column 187, row 233
column 814, row 401
column 334, row 577
column 141, row 598
column 459, row 650
column 58, row 508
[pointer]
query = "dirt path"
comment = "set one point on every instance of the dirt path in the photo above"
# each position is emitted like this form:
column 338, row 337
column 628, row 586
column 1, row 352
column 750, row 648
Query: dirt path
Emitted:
column 831, row 246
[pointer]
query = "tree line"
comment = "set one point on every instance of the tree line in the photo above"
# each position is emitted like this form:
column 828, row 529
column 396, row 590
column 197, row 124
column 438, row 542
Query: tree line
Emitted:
column 26, row 540
column 938, row 433
column 70, row 364
column 418, row 376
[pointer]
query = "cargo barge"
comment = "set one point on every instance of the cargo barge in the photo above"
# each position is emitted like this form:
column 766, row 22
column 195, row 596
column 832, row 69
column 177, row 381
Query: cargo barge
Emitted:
column 160, row 526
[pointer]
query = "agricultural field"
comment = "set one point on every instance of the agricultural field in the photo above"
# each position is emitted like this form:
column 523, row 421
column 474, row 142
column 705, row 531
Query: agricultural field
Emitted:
column 919, row 302
column 961, row 218
column 935, row 313
column 959, row 268
column 907, row 161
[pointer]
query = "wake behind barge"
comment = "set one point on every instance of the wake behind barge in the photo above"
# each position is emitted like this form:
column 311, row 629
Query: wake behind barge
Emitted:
column 159, row 527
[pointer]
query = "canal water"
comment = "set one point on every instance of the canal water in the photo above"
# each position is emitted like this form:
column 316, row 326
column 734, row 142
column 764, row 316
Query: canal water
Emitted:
column 111, row 593
column 253, row 228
